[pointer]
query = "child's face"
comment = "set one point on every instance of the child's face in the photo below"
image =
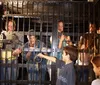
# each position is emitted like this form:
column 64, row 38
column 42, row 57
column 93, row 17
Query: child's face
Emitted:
column 96, row 69
column 32, row 39
column 60, row 26
column 64, row 56
column 10, row 26
column 91, row 28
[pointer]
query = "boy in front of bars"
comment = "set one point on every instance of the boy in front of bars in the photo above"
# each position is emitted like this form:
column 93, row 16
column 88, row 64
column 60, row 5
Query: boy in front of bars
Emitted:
column 96, row 67
column 67, row 72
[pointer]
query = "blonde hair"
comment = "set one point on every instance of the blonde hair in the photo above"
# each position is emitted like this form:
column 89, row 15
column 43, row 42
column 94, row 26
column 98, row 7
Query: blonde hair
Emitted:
column 7, row 22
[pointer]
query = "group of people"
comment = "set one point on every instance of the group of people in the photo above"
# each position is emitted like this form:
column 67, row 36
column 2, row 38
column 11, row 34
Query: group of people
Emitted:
column 88, row 48
column 65, row 59
column 12, row 48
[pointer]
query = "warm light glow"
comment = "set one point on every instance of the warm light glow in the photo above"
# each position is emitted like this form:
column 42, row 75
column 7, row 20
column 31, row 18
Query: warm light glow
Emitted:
column 0, row 3
column 90, row 0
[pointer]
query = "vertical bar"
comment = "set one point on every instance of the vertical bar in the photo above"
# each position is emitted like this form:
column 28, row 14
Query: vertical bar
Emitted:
column 47, row 27
column 83, row 17
column 79, row 19
column 29, row 24
column 41, row 37
column 6, row 66
column 34, row 28
column 59, row 10
column 17, row 24
column 84, row 8
column 48, row 12
column 89, row 12
column 42, row 15
column 68, row 16
column 23, row 50
column 94, row 11
column 6, row 7
column 22, row 6
column 27, row 6
column 34, row 34
column 17, row 5
column 63, row 14
column 37, row 8
column 54, row 34
column 12, row 67
column 12, row 8
column 73, row 4
column 54, row 46
column 32, row 7
column 40, row 71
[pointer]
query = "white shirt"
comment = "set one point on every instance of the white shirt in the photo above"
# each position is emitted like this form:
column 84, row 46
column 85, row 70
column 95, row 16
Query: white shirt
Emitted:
column 96, row 82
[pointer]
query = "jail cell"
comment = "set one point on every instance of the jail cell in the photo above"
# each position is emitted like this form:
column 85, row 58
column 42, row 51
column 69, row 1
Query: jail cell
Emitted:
column 40, row 18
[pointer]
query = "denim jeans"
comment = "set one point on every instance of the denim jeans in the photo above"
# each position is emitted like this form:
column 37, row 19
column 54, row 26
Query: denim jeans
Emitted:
column 83, row 74
column 34, row 73
column 7, row 72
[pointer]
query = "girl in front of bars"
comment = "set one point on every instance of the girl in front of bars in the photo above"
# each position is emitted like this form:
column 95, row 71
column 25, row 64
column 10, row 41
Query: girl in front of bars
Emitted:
column 67, row 72
column 30, row 55
column 96, row 67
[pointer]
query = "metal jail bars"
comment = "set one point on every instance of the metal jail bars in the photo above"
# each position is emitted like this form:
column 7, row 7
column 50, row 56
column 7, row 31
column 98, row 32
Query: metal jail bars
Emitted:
column 41, row 16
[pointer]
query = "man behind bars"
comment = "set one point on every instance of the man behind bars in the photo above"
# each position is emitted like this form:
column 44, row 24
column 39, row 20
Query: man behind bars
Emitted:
column 30, row 47
column 10, row 50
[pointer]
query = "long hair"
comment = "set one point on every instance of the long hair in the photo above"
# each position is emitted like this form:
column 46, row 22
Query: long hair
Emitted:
column 7, row 22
